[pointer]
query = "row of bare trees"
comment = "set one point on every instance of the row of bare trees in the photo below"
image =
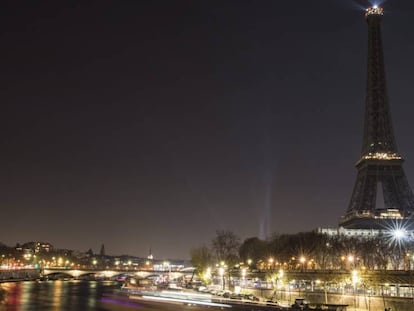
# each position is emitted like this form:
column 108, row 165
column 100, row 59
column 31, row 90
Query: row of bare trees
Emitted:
column 309, row 250
column 320, row 251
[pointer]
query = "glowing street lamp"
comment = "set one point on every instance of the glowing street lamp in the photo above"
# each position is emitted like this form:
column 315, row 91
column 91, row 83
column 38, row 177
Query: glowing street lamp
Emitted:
column 271, row 260
column 243, row 275
column 302, row 261
column 350, row 260
column 221, row 272
column 243, row 271
column 355, row 277
column 207, row 274
column 355, row 281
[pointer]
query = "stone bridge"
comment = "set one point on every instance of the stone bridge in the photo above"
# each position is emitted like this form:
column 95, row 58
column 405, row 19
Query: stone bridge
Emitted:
column 76, row 273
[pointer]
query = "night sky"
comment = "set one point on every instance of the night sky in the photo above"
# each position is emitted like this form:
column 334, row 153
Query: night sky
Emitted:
column 151, row 124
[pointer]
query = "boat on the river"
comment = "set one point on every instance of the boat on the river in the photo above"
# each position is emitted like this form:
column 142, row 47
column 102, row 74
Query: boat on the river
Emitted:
column 145, row 289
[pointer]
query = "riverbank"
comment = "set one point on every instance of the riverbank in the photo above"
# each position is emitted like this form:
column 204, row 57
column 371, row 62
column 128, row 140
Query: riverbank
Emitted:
column 354, row 302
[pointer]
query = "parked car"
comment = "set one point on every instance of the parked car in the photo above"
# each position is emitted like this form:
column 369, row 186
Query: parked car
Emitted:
column 300, row 304
column 236, row 296
column 251, row 297
column 272, row 302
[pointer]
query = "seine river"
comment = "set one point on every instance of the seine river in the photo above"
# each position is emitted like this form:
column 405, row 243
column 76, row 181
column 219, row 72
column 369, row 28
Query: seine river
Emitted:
column 74, row 295
column 54, row 295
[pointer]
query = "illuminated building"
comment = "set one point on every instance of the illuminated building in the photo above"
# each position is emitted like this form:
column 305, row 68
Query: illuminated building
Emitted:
column 38, row 247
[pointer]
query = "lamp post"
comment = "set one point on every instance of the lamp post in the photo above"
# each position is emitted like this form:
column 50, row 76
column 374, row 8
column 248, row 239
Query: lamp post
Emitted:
column 243, row 280
column 351, row 259
column 355, row 280
column 399, row 236
column 279, row 281
column 271, row 260
column 221, row 272
column 302, row 261
column 207, row 275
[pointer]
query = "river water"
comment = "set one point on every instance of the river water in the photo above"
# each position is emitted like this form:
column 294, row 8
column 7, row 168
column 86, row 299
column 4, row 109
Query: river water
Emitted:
column 74, row 295
column 54, row 295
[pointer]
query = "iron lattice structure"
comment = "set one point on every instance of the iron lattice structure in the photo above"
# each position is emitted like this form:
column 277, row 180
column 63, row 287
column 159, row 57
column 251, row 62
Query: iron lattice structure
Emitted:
column 382, row 196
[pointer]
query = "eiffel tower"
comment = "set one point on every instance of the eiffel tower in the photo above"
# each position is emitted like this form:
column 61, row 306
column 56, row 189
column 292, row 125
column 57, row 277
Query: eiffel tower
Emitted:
column 382, row 197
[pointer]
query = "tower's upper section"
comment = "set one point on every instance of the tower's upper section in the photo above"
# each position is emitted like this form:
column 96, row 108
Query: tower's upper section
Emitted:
column 379, row 142
column 375, row 10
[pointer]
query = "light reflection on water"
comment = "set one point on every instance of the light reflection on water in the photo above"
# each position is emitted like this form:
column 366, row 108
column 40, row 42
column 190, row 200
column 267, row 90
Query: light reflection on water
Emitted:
column 76, row 295
column 53, row 295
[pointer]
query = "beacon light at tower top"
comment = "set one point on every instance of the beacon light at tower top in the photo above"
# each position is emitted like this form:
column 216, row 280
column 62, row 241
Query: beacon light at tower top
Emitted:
column 374, row 10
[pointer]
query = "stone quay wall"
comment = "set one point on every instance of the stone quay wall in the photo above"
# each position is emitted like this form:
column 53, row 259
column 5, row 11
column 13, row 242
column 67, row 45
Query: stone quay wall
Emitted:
column 19, row 275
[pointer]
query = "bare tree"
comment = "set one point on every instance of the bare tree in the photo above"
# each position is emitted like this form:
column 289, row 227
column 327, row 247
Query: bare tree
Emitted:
column 201, row 258
column 253, row 249
column 226, row 247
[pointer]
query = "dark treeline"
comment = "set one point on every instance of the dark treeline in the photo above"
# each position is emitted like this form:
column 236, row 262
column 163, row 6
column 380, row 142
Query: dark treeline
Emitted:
column 307, row 250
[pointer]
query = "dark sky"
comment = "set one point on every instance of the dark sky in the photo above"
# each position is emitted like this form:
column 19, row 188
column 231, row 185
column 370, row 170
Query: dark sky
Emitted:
column 143, row 124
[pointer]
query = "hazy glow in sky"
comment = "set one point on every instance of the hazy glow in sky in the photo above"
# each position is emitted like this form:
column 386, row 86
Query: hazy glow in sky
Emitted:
column 151, row 125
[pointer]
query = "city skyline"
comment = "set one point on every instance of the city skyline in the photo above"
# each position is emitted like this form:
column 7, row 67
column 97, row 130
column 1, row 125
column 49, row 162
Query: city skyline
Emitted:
column 152, row 125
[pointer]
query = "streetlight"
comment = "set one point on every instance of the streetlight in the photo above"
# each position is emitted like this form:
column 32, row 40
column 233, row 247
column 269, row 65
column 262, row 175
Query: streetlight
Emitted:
column 399, row 236
column 279, row 281
column 302, row 261
column 271, row 260
column 207, row 275
column 355, row 277
column 350, row 261
column 221, row 272
column 355, row 280
column 243, row 271
column 243, row 281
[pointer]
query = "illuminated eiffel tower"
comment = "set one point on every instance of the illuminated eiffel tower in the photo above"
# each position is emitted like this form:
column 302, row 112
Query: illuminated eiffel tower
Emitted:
column 382, row 197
